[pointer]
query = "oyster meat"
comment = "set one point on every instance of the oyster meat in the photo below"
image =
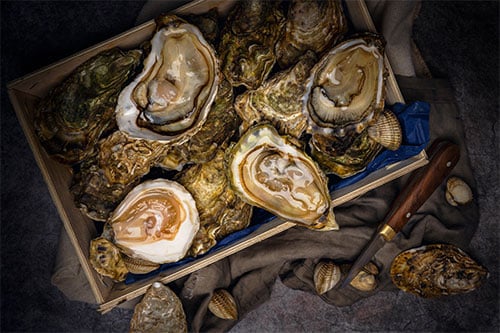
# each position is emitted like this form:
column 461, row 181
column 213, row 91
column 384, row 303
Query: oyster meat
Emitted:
column 159, row 311
column 346, row 89
column 278, row 100
column 221, row 211
column 170, row 99
column 268, row 171
column 156, row 221
column 436, row 270
column 247, row 42
column 76, row 113
column 310, row 25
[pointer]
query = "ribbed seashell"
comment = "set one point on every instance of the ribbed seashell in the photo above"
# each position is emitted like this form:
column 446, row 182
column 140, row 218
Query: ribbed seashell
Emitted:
column 326, row 276
column 366, row 279
column 160, row 310
column 139, row 266
column 436, row 270
column 387, row 130
column 458, row 192
column 223, row 305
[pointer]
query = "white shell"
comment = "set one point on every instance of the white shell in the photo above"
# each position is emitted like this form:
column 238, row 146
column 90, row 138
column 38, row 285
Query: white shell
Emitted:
column 170, row 99
column 458, row 192
column 156, row 221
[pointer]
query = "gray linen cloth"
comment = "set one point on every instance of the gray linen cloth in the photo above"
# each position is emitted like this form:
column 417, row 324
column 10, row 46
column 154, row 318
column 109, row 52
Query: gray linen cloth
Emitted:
column 250, row 274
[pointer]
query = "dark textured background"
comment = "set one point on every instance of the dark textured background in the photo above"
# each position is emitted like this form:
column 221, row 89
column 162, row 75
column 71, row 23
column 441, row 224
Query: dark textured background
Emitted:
column 458, row 40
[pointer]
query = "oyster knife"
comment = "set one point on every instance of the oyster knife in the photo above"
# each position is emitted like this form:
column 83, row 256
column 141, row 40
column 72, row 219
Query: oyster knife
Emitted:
column 443, row 156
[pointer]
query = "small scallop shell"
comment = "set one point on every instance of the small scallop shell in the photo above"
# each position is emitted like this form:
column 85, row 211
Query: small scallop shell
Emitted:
column 223, row 305
column 387, row 131
column 458, row 192
column 326, row 276
column 139, row 266
column 366, row 280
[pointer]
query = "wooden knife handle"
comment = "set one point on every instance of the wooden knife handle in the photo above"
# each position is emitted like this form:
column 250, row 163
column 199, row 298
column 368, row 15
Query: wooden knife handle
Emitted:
column 443, row 156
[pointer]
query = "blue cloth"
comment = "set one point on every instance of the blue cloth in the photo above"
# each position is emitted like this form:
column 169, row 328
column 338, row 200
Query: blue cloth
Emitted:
column 414, row 120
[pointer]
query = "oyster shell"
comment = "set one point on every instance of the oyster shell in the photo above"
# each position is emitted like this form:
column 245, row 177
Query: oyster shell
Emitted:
column 278, row 100
column 156, row 221
column 343, row 156
column 247, row 42
column 223, row 305
column 76, row 113
column 436, row 270
column 221, row 211
column 310, row 25
column 106, row 259
column 160, row 310
column 346, row 88
column 170, row 99
column 387, row 131
column 458, row 192
column 268, row 171
column 326, row 276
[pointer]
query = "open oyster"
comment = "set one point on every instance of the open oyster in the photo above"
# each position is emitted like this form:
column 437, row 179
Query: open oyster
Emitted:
column 268, row 171
column 221, row 211
column 156, row 221
column 346, row 89
column 75, row 114
column 278, row 100
column 170, row 99
column 247, row 42
column 436, row 270
column 159, row 311
column 310, row 25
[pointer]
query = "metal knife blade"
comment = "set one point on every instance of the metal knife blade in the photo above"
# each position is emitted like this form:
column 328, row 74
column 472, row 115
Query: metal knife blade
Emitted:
column 443, row 156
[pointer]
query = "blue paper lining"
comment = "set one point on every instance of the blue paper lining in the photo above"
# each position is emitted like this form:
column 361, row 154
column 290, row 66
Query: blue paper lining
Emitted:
column 414, row 120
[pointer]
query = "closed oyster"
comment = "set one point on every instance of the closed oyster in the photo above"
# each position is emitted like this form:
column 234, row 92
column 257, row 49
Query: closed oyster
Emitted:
column 343, row 156
column 170, row 99
column 247, row 42
column 156, row 221
column 160, row 310
column 436, row 270
column 346, row 89
column 74, row 115
column 106, row 259
column 310, row 25
column 327, row 275
column 223, row 305
column 221, row 211
column 278, row 100
column 458, row 192
column 268, row 171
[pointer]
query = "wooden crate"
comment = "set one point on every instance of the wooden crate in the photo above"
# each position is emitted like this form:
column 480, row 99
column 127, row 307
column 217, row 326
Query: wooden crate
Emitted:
column 26, row 91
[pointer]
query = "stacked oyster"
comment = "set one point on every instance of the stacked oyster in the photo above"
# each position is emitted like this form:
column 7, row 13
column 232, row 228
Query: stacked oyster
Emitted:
column 218, row 120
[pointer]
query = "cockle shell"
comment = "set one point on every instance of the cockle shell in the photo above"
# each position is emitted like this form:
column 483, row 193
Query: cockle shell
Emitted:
column 387, row 130
column 436, row 270
column 106, row 259
column 156, row 221
column 159, row 311
column 268, row 171
column 170, row 99
column 366, row 279
column 223, row 305
column 326, row 276
column 310, row 25
column 278, row 100
column 458, row 192
column 138, row 266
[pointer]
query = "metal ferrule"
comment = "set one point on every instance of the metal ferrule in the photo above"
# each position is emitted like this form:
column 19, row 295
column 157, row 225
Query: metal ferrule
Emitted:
column 387, row 232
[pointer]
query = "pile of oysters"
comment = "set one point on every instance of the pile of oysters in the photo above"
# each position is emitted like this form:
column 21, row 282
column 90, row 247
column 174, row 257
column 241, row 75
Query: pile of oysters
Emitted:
column 173, row 144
